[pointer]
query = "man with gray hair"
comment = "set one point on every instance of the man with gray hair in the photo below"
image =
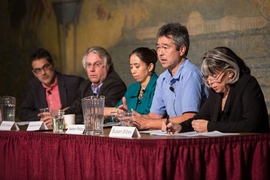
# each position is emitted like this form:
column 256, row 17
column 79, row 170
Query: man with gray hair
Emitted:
column 102, row 80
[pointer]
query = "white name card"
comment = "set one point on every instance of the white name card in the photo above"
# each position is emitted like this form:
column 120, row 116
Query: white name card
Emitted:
column 75, row 129
column 9, row 125
column 36, row 125
column 124, row 132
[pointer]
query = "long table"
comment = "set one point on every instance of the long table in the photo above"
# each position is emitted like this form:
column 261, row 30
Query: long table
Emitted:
column 38, row 155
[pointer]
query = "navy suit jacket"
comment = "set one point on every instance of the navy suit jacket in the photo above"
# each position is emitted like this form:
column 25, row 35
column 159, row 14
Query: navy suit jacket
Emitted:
column 35, row 97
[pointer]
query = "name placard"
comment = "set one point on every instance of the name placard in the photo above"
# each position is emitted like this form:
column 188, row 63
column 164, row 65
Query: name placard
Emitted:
column 75, row 129
column 36, row 125
column 9, row 125
column 124, row 132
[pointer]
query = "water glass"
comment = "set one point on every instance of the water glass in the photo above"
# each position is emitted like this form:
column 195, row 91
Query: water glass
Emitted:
column 7, row 108
column 43, row 111
column 114, row 119
column 58, row 121
column 125, row 118
column 93, row 114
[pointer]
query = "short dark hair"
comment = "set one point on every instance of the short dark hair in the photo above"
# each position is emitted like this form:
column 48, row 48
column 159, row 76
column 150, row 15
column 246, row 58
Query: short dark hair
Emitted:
column 179, row 34
column 146, row 55
column 40, row 53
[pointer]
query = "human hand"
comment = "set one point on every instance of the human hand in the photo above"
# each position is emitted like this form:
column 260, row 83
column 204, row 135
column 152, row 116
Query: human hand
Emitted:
column 124, row 106
column 171, row 128
column 200, row 125
column 46, row 117
column 108, row 111
column 139, row 121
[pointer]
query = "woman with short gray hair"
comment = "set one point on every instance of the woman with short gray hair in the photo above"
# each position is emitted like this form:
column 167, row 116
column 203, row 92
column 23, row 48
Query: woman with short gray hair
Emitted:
column 235, row 103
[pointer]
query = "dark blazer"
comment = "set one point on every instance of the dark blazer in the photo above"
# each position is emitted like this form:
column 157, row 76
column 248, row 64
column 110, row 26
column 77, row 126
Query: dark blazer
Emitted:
column 35, row 97
column 245, row 109
column 113, row 88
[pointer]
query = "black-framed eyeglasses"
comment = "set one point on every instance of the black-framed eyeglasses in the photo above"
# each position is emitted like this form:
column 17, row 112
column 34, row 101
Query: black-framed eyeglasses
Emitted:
column 213, row 79
column 44, row 68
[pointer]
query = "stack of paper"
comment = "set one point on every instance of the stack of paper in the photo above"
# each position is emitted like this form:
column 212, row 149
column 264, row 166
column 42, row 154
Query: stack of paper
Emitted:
column 188, row 134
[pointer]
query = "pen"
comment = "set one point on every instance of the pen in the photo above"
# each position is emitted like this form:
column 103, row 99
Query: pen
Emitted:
column 167, row 122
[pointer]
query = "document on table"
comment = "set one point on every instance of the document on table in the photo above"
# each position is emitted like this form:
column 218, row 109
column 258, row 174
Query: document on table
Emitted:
column 189, row 134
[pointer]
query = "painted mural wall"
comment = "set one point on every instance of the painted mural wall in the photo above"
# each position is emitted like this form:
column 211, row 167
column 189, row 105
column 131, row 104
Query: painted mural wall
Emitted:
column 68, row 27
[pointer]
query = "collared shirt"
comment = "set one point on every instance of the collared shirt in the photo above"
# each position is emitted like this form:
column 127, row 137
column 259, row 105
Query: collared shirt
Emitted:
column 184, row 92
column 142, row 105
column 53, row 96
column 96, row 89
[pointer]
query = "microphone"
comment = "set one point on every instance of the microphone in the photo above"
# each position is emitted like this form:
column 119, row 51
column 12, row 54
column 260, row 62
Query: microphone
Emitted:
column 143, row 91
column 94, row 94
column 171, row 88
column 49, row 92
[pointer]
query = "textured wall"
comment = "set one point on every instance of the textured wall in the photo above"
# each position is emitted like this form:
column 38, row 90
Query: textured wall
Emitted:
column 123, row 25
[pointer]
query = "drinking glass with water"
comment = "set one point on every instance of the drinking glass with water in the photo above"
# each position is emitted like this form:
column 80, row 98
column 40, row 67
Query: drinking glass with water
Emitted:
column 125, row 118
column 7, row 108
column 58, row 120
column 43, row 111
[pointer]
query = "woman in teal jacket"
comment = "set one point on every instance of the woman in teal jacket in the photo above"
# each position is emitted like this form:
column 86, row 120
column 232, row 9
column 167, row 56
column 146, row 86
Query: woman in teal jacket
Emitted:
column 139, row 95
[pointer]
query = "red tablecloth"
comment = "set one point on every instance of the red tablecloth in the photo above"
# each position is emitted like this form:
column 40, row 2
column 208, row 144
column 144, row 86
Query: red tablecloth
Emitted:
column 35, row 155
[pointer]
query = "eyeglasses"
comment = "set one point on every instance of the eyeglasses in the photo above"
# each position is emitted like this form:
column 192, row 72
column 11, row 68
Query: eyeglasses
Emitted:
column 213, row 79
column 95, row 65
column 44, row 68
